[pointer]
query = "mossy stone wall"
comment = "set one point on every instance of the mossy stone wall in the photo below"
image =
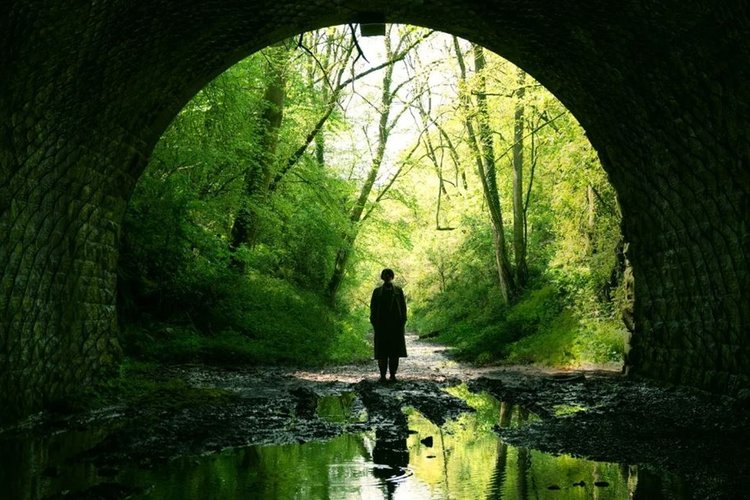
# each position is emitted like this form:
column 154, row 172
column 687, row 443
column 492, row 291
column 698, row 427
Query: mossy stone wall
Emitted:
column 88, row 87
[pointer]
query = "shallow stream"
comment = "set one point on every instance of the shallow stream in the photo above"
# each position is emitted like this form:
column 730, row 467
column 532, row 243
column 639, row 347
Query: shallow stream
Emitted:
column 464, row 458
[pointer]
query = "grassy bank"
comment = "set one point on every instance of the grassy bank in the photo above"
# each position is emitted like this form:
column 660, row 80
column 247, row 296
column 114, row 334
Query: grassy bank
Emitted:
column 543, row 326
column 250, row 320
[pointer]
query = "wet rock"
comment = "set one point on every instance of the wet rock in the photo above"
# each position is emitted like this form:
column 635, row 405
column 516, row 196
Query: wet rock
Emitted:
column 627, row 421
column 384, row 412
column 381, row 405
column 431, row 401
column 695, row 433
column 307, row 402
column 567, row 377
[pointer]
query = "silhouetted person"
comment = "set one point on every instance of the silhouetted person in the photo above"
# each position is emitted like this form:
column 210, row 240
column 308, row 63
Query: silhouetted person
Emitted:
column 388, row 317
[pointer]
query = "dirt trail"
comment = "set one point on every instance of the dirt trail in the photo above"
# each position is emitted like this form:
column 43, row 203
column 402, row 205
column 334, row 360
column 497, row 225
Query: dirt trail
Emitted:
column 429, row 361
column 426, row 361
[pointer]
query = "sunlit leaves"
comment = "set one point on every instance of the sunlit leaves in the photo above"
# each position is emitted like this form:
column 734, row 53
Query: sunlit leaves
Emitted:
column 177, row 232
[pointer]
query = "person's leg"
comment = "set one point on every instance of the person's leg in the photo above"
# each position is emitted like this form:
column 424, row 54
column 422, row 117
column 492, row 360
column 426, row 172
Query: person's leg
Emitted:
column 383, row 366
column 393, row 366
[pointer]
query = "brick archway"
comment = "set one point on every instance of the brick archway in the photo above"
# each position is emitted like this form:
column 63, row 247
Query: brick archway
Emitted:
column 87, row 88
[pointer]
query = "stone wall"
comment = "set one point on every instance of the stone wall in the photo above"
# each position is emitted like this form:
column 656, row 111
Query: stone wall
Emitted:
column 88, row 87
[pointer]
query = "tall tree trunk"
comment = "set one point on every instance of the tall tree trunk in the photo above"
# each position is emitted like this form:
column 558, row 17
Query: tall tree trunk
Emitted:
column 523, row 463
column 261, row 168
column 339, row 269
column 338, row 85
column 519, row 215
column 484, row 155
column 591, row 223
column 501, row 462
column 320, row 150
column 357, row 214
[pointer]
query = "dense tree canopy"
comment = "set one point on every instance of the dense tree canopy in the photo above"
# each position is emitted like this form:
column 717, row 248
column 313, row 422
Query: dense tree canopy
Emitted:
column 277, row 194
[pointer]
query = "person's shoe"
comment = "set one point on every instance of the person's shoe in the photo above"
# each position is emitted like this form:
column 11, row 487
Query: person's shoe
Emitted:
column 381, row 380
column 393, row 378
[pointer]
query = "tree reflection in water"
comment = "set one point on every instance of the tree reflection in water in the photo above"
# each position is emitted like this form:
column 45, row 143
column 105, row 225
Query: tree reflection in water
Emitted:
column 408, row 459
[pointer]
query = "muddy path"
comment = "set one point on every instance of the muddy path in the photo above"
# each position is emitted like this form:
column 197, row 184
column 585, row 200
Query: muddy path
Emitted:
column 594, row 414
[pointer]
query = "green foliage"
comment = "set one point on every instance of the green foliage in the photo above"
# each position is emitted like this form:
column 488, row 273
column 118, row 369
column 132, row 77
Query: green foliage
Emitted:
column 256, row 320
column 483, row 334
column 551, row 344
column 568, row 314
column 540, row 328
column 181, row 296
column 185, row 296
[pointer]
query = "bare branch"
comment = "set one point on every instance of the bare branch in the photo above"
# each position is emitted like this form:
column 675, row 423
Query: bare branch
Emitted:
column 360, row 53
column 319, row 190
column 614, row 211
column 507, row 94
column 336, row 90
column 388, row 186
column 534, row 158
column 302, row 46
column 548, row 122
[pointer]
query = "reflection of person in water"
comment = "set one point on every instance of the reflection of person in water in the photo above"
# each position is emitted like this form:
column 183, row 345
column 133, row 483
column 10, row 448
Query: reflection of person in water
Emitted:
column 388, row 317
column 391, row 456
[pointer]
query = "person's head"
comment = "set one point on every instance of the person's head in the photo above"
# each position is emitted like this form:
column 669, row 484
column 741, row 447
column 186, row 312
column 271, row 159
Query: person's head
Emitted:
column 387, row 275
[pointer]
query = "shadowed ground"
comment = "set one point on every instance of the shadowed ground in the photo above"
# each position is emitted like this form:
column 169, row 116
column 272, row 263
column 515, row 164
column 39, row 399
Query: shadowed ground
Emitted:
column 598, row 415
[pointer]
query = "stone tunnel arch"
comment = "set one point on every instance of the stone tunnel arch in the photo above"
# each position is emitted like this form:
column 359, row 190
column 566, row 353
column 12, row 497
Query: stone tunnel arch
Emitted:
column 88, row 87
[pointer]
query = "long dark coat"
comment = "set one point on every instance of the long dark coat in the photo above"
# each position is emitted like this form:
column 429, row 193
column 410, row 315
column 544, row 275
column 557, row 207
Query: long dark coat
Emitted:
column 388, row 317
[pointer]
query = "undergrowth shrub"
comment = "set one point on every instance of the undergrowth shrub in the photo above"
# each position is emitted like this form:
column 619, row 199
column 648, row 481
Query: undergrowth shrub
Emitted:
column 253, row 318
column 542, row 327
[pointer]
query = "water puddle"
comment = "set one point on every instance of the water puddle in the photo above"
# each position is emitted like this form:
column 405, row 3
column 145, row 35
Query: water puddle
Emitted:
column 464, row 458
column 342, row 408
